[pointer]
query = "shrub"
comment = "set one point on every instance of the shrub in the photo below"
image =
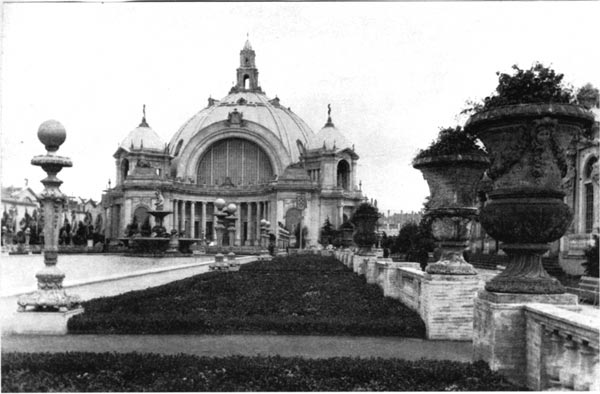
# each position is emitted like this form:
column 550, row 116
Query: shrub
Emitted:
column 304, row 294
column 85, row 372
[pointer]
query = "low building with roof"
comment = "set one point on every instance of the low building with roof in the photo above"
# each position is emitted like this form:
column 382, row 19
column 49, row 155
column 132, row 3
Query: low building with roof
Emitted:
column 245, row 148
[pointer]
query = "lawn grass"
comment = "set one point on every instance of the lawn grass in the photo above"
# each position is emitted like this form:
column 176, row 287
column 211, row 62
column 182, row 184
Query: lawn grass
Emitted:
column 304, row 294
column 109, row 372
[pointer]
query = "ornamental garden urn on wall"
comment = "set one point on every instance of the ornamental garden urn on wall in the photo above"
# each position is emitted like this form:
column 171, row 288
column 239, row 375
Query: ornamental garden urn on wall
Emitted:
column 365, row 225
column 452, row 167
column 527, row 143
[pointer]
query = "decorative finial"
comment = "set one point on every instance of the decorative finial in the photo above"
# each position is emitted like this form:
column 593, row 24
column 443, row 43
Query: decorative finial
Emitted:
column 360, row 185
column 144, row 123
column 329, row 122
column 109, row 183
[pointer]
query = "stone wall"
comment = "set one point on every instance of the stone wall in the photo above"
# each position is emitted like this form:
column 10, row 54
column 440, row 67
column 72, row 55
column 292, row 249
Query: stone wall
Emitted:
column 444, row 302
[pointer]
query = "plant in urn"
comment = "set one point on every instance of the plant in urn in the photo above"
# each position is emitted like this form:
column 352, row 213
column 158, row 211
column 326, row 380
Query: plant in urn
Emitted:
column 452, row 166
column 526, row 127
column 365, row 222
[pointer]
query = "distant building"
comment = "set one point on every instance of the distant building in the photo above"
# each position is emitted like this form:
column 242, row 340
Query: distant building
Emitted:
column 16, row 203
column 246, row 148
column 391, row 224
column 582, row 194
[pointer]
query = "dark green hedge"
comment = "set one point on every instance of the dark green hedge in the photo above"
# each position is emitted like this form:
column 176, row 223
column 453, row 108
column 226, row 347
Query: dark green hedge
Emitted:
column 294, row 295
column 91, row 372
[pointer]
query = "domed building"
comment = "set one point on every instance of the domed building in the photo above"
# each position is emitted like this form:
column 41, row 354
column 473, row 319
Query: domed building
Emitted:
column 247, row 149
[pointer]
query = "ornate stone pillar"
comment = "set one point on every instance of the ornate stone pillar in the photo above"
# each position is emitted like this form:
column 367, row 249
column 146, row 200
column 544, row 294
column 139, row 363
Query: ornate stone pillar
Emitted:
column 175, row 215
column 51, row 296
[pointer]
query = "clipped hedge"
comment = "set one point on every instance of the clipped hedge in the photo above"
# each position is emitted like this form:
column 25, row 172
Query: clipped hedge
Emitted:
column 94, row 372
column 293, row 295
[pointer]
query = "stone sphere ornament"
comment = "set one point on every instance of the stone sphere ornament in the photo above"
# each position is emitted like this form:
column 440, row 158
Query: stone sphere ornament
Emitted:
column 52, row 134
column 231, row 208
column 219, row 203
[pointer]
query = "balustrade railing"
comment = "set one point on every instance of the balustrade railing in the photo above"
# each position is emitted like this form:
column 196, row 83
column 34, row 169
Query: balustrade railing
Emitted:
column 562, row 349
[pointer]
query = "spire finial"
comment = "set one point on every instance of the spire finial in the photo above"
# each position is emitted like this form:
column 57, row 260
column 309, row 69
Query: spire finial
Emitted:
column 144, row 123
column 329, row 122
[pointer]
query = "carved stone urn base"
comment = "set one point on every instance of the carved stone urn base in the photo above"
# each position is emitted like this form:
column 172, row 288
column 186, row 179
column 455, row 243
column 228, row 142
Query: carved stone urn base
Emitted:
column 524, row 272
column 451, row 262
column 48, row 300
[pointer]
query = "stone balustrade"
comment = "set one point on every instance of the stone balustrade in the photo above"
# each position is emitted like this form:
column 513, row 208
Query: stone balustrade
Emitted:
column 562, row 349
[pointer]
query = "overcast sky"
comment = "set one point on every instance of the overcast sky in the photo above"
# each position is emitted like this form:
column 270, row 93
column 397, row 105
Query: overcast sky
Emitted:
column 394, row 73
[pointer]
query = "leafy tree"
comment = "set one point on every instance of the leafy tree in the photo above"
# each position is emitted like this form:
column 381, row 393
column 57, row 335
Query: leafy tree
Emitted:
column 588, row 96
column 421, row 243
column 406, row 236
column 592, row 259
column 327, row 233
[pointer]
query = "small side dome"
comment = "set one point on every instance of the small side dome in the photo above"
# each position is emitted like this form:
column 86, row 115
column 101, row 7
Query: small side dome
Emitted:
column 330, row 137
column 143, row 137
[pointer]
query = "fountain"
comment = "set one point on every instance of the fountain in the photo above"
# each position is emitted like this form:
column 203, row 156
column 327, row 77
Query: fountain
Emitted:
column 160, row 241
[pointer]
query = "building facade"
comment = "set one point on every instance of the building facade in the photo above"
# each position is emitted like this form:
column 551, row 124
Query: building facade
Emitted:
column 245, row 148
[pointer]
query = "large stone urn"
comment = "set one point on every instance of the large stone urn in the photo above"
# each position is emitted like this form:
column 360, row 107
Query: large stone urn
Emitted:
column 452, row 181
column 365, row 225
column 525, row 208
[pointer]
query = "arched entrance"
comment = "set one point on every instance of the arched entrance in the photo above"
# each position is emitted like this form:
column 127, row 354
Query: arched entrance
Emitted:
column 343, row 175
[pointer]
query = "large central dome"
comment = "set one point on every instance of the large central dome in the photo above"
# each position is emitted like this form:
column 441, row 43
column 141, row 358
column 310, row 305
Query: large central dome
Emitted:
column 245, row 113
column 255, row 107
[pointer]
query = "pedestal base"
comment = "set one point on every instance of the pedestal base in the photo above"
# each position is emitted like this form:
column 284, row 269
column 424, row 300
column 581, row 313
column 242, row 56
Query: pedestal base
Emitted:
column 447, row 306
column 499, row 330
column 40, row 323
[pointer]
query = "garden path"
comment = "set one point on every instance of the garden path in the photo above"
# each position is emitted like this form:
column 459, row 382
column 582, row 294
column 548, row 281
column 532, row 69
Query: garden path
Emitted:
column 247, row 345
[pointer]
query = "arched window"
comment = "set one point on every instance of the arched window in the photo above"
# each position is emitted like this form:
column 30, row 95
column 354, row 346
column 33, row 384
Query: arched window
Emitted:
column 236, row 162
column 588, row 194
column 343, row 175
column 124, row 169
column 140, row 214
column 246, row 81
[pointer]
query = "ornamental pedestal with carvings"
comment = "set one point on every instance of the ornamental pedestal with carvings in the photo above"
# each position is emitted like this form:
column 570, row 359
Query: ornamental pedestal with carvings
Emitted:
column 525, row 209
column 452, row 181
column 50, row 295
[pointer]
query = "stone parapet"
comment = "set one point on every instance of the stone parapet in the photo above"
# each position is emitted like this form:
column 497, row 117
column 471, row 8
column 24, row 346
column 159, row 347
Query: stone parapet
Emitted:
column 499, row 329
column 562, row 349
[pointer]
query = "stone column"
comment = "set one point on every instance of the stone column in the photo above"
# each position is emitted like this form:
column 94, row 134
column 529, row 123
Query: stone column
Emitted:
column 238, row 226
column 249, row 221
column 193, row 219
column 203, row 219
column 175, row 215
column 257, row 221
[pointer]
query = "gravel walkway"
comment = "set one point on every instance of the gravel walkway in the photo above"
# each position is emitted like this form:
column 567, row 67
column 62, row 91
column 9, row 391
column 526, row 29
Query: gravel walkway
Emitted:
column 226, row 345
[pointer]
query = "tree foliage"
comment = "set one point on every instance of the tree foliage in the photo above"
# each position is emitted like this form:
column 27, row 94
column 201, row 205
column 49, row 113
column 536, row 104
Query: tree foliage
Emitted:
column 451, row 141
